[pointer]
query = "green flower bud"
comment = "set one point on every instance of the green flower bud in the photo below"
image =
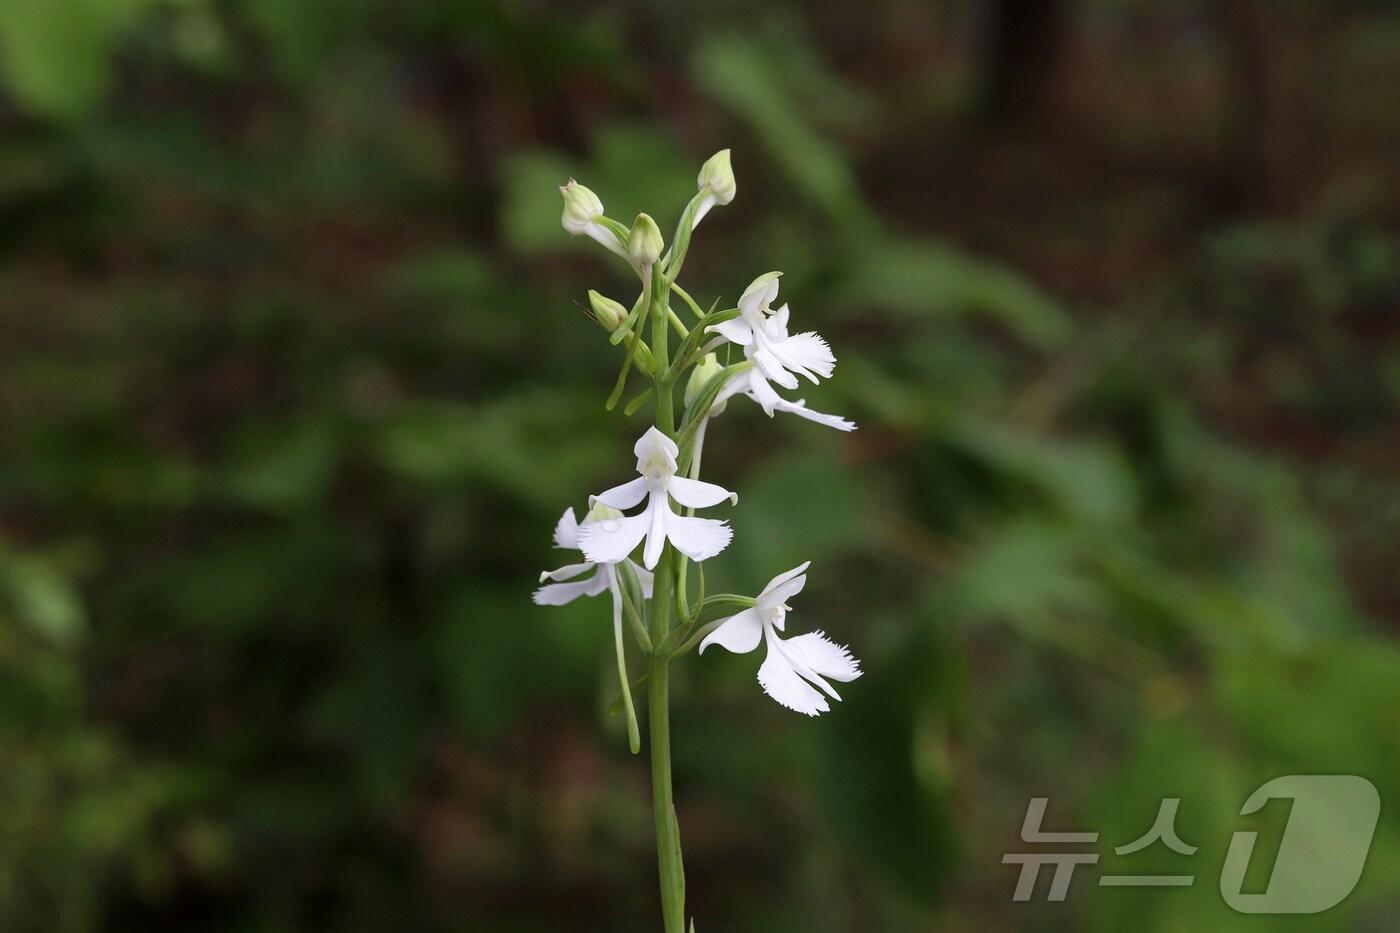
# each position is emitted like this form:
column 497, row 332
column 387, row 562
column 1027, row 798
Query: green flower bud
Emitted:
column 644, row 244
column 581, row 208
column 608, row 313
column 717, row 175
column 700, row 376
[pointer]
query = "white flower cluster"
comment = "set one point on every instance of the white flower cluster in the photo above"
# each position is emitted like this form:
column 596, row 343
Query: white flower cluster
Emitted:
column 797, row 671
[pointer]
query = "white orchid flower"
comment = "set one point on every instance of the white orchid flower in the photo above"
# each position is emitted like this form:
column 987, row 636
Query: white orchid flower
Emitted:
column 699, row 539
column 604, row 578
column 793, row 665
column 582, row 211
column 763, row 334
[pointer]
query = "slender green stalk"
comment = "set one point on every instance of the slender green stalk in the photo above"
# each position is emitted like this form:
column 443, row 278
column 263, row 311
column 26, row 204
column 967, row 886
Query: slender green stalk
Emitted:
column 634, row 738
column 668, row 839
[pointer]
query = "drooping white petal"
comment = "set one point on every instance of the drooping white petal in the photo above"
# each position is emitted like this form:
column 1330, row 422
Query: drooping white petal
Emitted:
column 736, row 331
column 770, row 365
column 566, row 532
column 753, row 384
column 697, row 538
column 612, row 539
column 557, row 594
column 763, row 393
column 780, row 680
column 625, row 496
column 807, row 354
column 656, row 515
column 800, row 409
column 739, row 633
column 567, row 572
column 696, row 494
column 823, row 656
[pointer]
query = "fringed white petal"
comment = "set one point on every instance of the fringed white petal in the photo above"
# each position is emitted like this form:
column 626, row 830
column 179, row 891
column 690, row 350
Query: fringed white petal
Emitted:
column 612, row 539
column 807, row 354
column 697, row 538
column 824, row 656
column 780, row 680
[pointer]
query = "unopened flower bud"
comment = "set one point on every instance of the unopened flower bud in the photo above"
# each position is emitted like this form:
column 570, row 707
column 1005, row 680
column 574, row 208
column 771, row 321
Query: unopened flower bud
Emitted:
column 582, row 208
column 607, row 312
column 644, row 243
column 717, row 175
column 705, row 370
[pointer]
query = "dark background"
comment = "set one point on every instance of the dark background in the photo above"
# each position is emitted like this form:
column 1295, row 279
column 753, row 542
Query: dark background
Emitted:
column 294, row 383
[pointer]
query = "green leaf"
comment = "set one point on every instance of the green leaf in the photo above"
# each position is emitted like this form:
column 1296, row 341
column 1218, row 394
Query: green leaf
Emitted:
column 924, row 276
column 56, row 54
column 41, row 597
column 1087, row 479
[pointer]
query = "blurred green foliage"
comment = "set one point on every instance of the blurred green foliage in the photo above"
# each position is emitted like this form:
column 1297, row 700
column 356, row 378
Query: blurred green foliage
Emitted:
column 294, row 382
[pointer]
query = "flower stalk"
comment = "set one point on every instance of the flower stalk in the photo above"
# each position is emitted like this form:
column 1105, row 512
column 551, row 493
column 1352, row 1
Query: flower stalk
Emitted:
column 663, row 807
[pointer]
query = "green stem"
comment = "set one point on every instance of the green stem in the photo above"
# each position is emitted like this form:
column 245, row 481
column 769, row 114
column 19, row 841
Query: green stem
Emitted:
column 685, row 296
column 634, row 738
column 668, row 837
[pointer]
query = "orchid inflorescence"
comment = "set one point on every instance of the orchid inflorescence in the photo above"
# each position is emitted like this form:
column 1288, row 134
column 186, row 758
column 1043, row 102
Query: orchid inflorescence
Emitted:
column 651, row 592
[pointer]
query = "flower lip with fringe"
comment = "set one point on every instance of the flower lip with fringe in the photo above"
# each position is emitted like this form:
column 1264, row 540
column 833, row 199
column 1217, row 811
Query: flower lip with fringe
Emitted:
column 793, row 665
